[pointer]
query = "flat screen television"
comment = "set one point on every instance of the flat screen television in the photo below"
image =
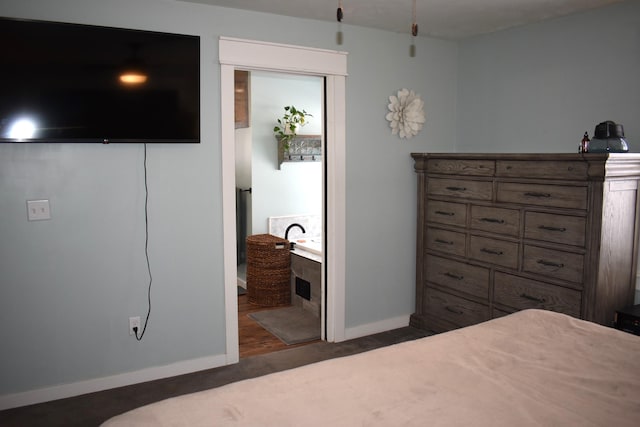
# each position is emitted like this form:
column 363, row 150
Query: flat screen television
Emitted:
column 64, row 82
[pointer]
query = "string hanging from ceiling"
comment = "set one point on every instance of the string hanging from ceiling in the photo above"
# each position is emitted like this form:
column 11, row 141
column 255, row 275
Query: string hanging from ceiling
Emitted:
column 414, row 30
column 339, row 16
column 414, row 23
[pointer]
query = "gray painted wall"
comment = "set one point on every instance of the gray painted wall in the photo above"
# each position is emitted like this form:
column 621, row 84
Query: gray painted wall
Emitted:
column 69, row 284
column 539, row 88
column 295, row 188
column 568, row 74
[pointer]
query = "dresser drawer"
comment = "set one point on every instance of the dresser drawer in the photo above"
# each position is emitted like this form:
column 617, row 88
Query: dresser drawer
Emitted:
column 528, row 221
column 476, row 190
column 462, row 167
column 496, row 220
column 456, row 310
column 553, row 263
column 560, row 196
column 447, row 213
column 569, row 230
column 456, row 275
column 494, row 251
column 446, row 241
column 521, row 293
column 576, row 170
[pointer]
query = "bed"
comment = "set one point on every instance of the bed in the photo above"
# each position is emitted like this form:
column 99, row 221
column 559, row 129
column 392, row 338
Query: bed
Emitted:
column 532, row 367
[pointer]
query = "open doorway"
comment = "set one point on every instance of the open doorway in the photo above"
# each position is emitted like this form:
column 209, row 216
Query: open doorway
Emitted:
column 279, row 192
column 255, row 55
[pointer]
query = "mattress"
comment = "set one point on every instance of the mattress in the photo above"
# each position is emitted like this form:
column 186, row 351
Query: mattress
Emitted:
column 531, row 368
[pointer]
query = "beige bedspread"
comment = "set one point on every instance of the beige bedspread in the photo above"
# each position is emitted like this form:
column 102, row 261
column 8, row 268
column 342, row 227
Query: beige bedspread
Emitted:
column 530, row 368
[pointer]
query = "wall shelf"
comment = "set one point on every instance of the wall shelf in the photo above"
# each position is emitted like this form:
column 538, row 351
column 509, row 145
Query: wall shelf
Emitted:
column 302, row 148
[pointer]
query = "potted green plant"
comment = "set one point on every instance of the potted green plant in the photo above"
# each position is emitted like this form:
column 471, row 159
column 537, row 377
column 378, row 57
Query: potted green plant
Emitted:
column 289, row 123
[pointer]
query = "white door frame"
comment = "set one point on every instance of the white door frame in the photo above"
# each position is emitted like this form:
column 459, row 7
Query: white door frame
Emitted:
column 255, row 55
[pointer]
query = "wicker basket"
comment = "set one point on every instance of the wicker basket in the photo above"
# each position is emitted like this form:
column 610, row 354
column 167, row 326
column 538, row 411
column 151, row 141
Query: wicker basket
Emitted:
column 268, row 271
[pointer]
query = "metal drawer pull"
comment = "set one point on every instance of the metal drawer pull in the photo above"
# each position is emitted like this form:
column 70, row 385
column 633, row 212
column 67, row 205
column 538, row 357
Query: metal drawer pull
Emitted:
column 532, row 298
column 549, row 228
column 491, row 251
column 536, row 194
column 493, row 220
column 453, row 276
column 550, row 264
column 454, row 310
column 444, row 242
column 445, row 213
column 456, row 189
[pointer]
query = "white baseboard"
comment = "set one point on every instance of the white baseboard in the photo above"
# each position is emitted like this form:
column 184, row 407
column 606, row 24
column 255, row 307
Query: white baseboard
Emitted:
column 63, row 391
column 98, row 384
column 376, row 327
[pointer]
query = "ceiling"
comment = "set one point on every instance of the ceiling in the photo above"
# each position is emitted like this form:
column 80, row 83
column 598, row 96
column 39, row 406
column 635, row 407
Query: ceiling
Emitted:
column 446, row 19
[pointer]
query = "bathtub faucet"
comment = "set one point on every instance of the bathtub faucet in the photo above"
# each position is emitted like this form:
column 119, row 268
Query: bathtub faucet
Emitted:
column 286, row 233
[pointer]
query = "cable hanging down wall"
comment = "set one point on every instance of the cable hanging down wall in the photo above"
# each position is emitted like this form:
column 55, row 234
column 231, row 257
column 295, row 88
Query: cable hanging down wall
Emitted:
column 146, row 247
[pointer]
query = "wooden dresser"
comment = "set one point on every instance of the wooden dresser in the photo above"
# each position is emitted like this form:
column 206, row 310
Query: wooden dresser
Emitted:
column 499, row 233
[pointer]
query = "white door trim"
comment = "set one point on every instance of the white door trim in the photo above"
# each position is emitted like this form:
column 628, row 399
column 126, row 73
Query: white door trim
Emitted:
column 256, row 55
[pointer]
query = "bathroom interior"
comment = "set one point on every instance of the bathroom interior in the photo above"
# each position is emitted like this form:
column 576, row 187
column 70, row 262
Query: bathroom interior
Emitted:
column 281, row 197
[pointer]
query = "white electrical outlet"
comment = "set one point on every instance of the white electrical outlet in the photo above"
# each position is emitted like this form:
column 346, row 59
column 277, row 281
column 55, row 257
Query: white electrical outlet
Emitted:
column 37, row 210
column 134, row 322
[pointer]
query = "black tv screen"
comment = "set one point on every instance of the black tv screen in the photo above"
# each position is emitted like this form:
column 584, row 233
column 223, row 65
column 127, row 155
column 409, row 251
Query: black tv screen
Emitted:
column 78, row 83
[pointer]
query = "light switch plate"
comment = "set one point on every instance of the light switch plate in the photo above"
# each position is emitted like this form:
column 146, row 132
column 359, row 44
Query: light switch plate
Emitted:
column 38, row 210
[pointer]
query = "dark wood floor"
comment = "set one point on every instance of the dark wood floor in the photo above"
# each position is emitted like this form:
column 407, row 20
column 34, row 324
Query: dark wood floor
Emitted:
column 92, row 409
column 254, row 339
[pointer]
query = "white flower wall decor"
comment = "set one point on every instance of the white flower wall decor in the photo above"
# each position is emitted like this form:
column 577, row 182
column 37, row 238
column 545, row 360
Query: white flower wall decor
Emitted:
column 406, row 115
